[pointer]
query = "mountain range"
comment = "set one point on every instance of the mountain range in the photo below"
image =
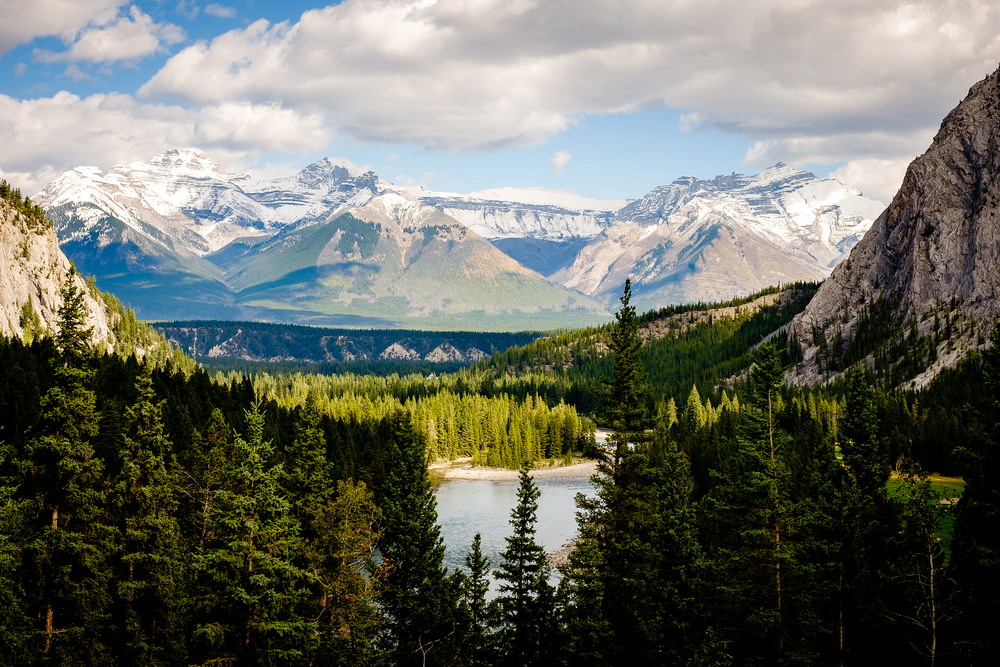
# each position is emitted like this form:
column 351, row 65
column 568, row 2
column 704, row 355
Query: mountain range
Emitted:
column 925, row 280
column 177, row 237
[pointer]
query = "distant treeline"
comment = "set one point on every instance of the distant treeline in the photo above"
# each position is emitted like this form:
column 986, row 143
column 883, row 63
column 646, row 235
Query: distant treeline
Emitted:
column 362, row 349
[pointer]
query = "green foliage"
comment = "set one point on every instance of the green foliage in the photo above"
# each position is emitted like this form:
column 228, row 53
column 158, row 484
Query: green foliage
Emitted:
column 30, row 323
column 687, row 345
column 526, row 626
column 474, row 611
column 357, row 235
column 293, row 348
column 418, row 599
column 250, row 588
column 32, row 215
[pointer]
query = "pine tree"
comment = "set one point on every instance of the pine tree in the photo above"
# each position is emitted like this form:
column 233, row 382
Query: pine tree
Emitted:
column 150, row 573
column 475, row 587
column 418, row 598
column 70, row 540
column 15, row 625
column 749, row 519
column 867, row 524
column 526, row 606
column 626, row 393
column 976, row 546
column 632, row 564
column 250, row 589
column 923, row 592
column 340, row 558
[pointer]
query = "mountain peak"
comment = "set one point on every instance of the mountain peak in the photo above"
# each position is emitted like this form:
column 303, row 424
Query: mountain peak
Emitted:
column 931, row 255
column 192, row 162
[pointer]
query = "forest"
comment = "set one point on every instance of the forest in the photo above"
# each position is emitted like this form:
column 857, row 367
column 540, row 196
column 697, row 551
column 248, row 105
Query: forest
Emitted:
column 153, row 513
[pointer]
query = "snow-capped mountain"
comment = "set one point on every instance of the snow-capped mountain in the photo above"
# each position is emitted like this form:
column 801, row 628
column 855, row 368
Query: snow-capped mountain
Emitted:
column 504, row 213
column 696, row 240
column 178, row 238
column 397, row 259
column 194, row 203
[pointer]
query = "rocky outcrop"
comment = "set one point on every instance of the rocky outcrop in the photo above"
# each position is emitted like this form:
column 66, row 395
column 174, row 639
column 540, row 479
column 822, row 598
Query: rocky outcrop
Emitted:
column 697, row 240
column 932, row 256
column 32, row 274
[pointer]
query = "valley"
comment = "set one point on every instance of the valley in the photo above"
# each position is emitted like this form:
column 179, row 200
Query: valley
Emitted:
column 775, row 434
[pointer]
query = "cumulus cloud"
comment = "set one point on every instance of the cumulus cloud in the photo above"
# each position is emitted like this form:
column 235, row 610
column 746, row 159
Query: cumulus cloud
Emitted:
column 220, row 11
column 851, row 83
column 796, row 79
column 560, row 160
column 24, row 21
column 126, row 38
column 46, row 136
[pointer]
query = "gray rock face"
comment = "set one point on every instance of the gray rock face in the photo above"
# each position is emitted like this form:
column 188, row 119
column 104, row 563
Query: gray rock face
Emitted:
column 32, row 270
column 934, row 252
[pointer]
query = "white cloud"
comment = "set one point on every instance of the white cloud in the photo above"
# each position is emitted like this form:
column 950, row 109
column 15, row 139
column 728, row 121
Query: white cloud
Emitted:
column 126, row 38
column 24, row 20
column 878, row 179
column 560, row 160
column 458, row 75
column 220, row 11
column 44, row 137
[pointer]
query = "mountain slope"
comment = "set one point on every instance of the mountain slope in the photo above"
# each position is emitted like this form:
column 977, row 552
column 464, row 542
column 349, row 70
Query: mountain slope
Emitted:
column 179, row 238
column 697, row 240
column 397, row 259
column 927, row 275
column 33, row 271
column 33, row 274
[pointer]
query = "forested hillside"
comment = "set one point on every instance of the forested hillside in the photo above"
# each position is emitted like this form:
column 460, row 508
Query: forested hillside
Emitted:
column 158, row 515
column 329, row 350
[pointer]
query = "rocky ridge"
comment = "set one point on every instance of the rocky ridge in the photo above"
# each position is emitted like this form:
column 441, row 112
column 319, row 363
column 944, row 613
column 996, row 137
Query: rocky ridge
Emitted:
column 698, row 240
column 32, row 274
column 931, row 259
column 239, row 245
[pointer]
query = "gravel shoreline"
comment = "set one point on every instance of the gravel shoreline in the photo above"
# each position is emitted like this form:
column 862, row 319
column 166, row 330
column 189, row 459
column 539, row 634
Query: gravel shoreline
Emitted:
column 465, row 470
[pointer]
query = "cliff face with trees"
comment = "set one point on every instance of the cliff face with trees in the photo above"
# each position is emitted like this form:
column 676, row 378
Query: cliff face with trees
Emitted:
column 33, row 271
column 928, row 263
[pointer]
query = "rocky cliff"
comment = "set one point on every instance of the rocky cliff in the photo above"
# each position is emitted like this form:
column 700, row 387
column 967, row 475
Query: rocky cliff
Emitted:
column 32, row 274
column 930, row 261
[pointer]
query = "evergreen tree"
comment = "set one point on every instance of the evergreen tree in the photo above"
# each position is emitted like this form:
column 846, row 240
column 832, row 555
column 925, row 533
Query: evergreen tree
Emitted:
column 749, row 522
column 526, row 604
column 340, row 558
column 923, row 592
column 150, row 573
column 418, row 598
column 250, row 589
column 69, row 541
column 867, row 524
column 15, row 625
column 628, row 579
column 627, row 393
column 976, row 547
column 475, row 589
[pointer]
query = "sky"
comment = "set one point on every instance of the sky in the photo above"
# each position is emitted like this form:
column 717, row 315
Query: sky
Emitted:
column 605, row 99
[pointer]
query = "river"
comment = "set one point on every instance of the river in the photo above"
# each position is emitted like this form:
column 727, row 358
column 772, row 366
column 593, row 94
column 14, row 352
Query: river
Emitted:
column 466, row 507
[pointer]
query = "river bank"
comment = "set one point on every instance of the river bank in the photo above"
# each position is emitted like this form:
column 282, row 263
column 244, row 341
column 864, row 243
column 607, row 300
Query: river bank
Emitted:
column 463, row 469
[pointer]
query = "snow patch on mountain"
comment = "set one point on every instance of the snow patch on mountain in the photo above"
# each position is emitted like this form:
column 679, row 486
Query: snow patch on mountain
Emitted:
column 196, row 203
column 707, row 239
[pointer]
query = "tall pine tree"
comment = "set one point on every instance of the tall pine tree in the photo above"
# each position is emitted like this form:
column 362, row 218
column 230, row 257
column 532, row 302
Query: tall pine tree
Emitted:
column 149, row 590
column 526, row 605
column 418, row 597
column 66, row 554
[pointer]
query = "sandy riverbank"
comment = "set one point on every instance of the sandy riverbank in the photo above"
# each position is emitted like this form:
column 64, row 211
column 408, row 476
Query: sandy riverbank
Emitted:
column 463, row 469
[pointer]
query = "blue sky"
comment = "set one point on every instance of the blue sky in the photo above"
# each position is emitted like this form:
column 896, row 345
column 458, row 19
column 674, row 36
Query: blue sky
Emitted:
column 605, row 99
